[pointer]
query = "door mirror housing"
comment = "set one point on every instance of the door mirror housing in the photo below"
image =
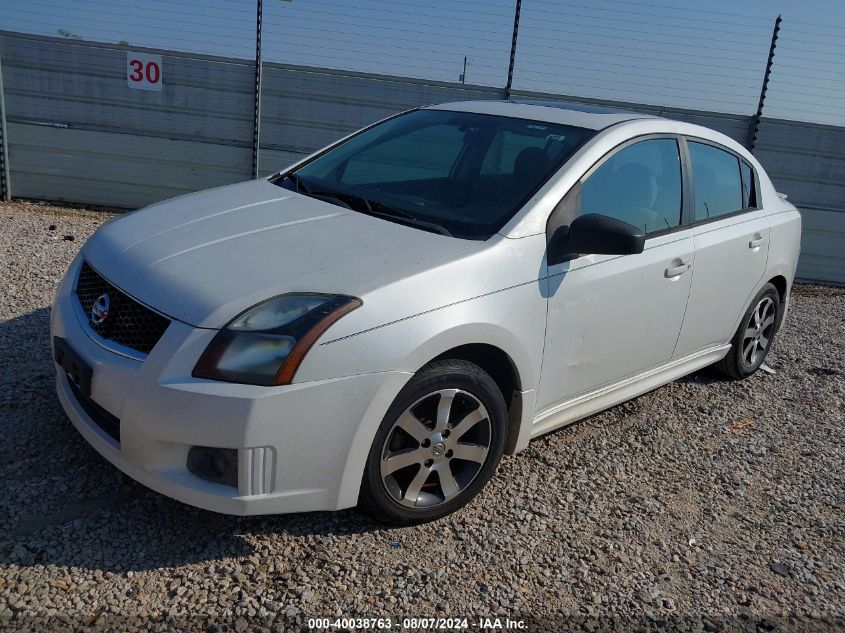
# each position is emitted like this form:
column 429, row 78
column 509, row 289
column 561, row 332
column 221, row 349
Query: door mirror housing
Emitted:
column 594, row 234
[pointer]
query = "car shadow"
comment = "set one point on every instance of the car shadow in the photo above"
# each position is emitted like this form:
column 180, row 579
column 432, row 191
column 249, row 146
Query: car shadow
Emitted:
column 706, row 376
column 65, row 505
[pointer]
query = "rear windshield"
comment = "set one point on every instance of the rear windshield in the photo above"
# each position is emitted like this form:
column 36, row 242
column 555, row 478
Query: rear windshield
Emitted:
column 456, row 173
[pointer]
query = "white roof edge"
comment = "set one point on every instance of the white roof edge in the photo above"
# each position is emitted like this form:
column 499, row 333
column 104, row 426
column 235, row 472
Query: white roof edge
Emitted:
column 575, row 114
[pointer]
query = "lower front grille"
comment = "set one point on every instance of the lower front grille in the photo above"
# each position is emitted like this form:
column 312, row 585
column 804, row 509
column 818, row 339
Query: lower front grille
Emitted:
column 102, row 418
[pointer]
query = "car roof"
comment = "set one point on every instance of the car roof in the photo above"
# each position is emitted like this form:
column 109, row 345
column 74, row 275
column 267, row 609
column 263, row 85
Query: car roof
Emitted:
column 582, row 115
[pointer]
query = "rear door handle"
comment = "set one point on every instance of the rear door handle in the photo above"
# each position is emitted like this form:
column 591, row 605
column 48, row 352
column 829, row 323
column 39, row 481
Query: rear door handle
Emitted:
column 674, row 271
column 756, row 242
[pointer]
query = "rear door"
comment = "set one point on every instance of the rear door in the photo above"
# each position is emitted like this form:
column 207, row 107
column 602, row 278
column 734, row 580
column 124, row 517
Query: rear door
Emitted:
column 731, row 237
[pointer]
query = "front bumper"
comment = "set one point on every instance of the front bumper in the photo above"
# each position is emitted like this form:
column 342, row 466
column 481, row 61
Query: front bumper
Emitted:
column 301, row 447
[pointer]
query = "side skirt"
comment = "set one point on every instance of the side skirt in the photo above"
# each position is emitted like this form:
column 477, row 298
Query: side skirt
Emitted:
column 582, row 406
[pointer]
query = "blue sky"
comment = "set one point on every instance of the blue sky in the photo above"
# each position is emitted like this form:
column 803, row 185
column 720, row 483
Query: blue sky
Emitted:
column 667, row 52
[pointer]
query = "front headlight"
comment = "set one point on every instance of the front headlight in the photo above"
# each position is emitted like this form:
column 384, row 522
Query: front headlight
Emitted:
column 266, row 344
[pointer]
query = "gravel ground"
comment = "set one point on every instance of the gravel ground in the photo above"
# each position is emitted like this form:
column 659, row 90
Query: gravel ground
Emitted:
column 704, row 505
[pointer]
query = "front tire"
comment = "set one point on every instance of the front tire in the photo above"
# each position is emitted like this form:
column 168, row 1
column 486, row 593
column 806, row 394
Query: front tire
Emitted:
column 754, row 337
column 438, row 444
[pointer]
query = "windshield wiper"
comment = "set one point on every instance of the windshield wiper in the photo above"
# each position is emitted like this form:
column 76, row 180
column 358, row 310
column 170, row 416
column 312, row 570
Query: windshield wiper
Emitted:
column 344, row 198
column 386, row 211
column 300, row 185
column 374, row 208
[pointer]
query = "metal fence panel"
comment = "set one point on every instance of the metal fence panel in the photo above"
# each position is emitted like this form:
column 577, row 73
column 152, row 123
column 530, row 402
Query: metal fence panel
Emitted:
column 733, row 125
column 807, row 162
column 303, row 109
column 76, row 132
column 110, row 169
column 120, row 146
column 822, row 246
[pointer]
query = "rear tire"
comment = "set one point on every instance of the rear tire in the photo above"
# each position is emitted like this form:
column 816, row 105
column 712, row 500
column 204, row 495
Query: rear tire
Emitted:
column 438, row 444
column 754, row 337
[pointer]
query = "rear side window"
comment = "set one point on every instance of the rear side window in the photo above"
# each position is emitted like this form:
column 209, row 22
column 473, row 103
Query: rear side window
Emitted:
column 749, row 197
column 640, row 185
column 717, row 183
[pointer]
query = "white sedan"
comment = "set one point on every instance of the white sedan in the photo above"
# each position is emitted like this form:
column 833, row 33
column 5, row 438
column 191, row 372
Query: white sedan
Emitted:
column 379, row 323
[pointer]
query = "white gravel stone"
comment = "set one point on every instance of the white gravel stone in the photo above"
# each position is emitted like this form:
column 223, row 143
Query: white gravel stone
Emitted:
column 654, row 513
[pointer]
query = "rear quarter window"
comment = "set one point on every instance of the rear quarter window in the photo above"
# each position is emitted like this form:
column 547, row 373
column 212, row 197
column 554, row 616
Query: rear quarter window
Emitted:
column 749, row 197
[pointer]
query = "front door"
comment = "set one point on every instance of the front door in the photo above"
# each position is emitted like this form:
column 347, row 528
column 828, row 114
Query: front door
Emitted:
column 609, row 316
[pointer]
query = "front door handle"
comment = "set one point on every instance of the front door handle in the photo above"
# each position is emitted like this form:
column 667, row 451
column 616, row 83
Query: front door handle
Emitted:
column 757, row 242
column 674, row 271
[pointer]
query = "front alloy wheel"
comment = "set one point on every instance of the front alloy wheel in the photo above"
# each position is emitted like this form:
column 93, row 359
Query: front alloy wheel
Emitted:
column 437, row 446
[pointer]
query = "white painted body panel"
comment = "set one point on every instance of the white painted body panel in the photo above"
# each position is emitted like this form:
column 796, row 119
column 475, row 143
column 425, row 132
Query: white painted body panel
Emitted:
column 582, row 336
column 205, row 257
column 163, row 411
column 784, row 240
column 726, row 275
column 589, row 403
column 635, row 312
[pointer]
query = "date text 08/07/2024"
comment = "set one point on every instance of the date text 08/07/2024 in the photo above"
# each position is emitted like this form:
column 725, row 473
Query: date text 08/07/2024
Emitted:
column 450, row 624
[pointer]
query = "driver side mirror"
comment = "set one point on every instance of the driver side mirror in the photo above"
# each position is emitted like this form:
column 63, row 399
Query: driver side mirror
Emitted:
column 594, row 234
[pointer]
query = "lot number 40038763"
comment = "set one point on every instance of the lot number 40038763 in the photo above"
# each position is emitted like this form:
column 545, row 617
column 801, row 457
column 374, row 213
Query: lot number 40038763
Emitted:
column 143, row 71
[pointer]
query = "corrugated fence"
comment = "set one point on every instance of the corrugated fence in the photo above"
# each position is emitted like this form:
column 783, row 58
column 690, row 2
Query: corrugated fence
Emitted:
column 77, row 132
column 807, row 162
column 303, row 109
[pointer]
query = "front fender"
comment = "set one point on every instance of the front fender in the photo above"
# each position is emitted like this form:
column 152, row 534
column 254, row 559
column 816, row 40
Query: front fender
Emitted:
column 512, row 320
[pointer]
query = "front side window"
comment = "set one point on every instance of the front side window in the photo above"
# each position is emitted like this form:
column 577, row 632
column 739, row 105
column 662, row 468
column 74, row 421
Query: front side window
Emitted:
column 716, row 182
column 456, row 173
column 640, row 184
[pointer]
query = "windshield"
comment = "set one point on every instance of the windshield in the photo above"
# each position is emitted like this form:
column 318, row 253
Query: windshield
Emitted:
column 455, row 173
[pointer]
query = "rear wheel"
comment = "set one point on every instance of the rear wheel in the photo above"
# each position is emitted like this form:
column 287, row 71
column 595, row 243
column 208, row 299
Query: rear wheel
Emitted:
column 438, row 445
column 753, row 338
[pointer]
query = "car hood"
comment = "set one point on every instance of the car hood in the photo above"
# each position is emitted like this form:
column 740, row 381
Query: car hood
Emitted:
column 205, row 257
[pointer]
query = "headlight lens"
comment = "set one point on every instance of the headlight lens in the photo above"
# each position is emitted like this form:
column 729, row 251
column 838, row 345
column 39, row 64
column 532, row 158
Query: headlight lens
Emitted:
column 266, row 344
column 277, row 312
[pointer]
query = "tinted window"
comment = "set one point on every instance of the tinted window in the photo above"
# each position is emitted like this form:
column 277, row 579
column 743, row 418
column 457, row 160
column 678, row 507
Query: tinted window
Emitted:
column 748, row 190
column 507, row 146
column 718, row 189
column 459, row 172
column 640, row 184
column 425, row 153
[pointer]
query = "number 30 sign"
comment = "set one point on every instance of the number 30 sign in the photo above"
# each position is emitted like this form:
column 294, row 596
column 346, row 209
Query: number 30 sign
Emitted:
column 143, row 71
